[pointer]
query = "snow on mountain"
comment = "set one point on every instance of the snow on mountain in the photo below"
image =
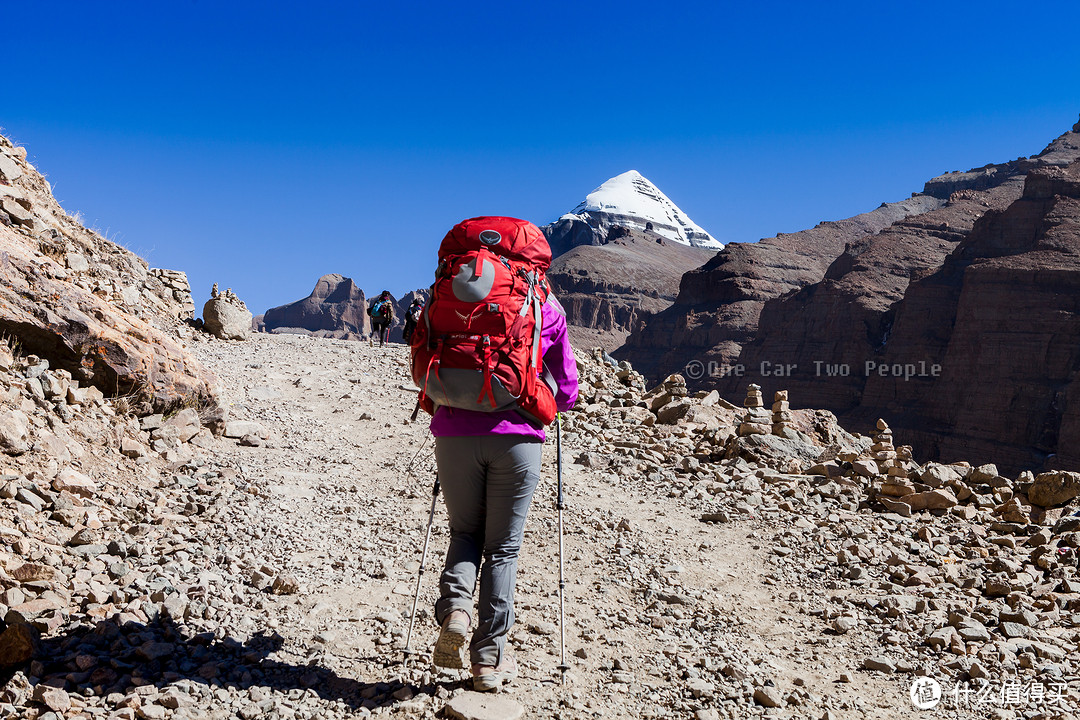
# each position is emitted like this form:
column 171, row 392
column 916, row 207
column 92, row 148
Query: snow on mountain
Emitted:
column 631, row 200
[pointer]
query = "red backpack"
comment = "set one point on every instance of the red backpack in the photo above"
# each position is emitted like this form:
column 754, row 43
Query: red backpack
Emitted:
column 477, row 344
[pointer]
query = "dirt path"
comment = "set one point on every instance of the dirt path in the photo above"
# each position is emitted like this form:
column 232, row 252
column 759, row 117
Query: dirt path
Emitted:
column 666, row 616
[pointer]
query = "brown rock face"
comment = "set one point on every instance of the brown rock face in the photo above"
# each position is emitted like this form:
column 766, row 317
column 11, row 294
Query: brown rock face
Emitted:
column 817, row 341
column 1002, row 320
column 336, row 308
column 16, row 645
column 85, row 304
column 956, row 321
column 336, row 304
column 718, row 304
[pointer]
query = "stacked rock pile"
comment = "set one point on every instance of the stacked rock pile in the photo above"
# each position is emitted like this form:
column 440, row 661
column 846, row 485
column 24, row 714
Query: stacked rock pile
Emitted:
column 781, row 414
column 756, row 421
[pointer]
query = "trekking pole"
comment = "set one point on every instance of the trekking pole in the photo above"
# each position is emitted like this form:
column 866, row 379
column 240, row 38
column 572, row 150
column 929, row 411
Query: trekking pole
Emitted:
column 559, row 505
column 420, row 575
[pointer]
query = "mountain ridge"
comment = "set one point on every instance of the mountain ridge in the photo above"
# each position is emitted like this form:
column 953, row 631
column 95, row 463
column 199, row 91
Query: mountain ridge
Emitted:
column 847, row 316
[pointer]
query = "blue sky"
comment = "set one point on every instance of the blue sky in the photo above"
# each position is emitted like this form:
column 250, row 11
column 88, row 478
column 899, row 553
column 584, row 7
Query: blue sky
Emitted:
column 261, row 145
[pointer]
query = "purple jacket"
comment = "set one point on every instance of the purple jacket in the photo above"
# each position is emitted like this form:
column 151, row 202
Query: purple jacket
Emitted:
column 558, row 360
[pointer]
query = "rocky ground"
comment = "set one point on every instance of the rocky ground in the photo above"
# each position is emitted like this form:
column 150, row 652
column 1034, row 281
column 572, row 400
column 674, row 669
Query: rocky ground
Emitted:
column 721, row 561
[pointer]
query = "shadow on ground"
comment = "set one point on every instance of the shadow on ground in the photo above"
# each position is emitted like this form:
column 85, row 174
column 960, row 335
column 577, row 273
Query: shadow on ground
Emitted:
column 111, row 658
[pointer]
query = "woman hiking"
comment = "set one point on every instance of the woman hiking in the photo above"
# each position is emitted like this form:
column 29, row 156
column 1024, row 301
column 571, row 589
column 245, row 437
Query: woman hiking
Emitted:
column 489, row 461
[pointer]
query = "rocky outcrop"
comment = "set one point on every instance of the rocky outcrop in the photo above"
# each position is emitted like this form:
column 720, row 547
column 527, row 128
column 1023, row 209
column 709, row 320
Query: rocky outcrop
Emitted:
column 1001, row 322
column 226, row 316
column 891, row 301
column 336, row 306
column 813, row 337
column 891, row 298
column 176, row 283
column 86, row 305
column 717, row 308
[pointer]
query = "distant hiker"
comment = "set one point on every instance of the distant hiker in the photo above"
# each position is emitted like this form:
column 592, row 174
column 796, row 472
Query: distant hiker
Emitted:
column 493, row 362
column 412, row 316
column 382, row 316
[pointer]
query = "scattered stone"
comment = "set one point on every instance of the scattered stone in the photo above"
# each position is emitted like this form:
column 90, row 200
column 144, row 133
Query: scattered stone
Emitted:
column 768, row 696
column 879, row 663
column 74, row 482
column 285, row 584
column 14, row 436
column 239, row 428
column 132, row 448
column 16, row 645
column 843, row 625
column 483, row 706
column 56, row 699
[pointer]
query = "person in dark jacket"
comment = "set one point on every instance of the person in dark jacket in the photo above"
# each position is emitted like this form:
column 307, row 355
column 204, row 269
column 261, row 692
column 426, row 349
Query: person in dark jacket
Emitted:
column 382, row 316
column 412, row 316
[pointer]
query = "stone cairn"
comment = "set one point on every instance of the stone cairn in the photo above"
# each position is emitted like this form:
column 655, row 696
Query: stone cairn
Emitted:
column 895, row 483
column 757, row 420
column 226, row 316
column 781, row 414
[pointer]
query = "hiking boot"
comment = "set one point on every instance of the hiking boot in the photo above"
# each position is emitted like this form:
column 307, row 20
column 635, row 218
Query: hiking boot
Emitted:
column 449, row 648
column 487, row 678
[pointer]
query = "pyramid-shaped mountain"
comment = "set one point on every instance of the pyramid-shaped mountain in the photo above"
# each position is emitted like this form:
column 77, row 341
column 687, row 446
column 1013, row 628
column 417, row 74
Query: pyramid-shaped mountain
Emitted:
column 619, row 256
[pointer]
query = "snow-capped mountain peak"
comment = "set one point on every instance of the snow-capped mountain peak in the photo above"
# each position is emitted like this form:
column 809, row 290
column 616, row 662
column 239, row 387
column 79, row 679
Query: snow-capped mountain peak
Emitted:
column 630, row 199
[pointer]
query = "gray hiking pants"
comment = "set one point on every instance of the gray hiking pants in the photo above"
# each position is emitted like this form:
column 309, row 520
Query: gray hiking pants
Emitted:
column 488, row 483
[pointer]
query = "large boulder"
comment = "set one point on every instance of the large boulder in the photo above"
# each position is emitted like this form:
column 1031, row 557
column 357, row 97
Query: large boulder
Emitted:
column 1054, row 488
column 226, row 316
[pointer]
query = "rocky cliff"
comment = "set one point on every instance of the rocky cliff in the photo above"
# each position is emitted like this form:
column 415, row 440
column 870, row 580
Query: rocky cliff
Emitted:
column 718, row 305
column 892, row 297
column 1001, row 319
column 90, row 308
column 336, row 308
